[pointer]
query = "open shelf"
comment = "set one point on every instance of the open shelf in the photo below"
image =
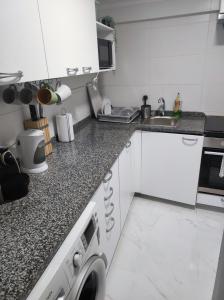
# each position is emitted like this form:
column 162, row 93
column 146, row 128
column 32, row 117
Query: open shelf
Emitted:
column 101, row 28
column 107, row 70
column 107, row 33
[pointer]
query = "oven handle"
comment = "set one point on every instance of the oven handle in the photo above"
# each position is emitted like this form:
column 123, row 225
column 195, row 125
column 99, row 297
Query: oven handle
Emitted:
column 214, row 153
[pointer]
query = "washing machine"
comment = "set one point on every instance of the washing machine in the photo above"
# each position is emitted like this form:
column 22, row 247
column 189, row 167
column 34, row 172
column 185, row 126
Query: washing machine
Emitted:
column 78, row 270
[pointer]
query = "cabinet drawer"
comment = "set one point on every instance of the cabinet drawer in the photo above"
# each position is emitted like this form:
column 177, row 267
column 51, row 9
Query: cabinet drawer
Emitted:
column 211, row 200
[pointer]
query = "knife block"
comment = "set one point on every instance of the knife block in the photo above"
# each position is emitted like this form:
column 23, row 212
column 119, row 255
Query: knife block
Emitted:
column 41, row 124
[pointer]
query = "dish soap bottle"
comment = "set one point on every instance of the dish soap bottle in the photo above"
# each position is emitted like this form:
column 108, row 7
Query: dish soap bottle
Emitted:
column 177, row 106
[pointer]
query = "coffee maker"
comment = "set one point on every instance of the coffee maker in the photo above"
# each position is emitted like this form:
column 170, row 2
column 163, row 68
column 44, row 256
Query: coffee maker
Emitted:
column 13, row 183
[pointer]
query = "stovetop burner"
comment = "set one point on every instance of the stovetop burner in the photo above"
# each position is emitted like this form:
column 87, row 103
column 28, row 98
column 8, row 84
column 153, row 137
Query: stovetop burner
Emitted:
column 214, row 126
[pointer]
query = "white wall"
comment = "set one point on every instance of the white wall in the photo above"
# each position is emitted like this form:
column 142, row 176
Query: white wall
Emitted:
column 162, row 57
column 135, row 10
column 12, row 116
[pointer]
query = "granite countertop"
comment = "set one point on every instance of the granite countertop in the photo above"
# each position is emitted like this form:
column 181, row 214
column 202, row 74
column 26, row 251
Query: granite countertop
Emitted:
column 189, row 123
column 33, row 228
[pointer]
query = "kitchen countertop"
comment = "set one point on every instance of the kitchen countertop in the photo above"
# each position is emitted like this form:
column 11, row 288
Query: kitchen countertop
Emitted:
column 33, row 228
column 189, row 123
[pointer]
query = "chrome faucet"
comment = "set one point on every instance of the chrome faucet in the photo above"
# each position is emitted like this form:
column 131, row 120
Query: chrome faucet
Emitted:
column 162, row 108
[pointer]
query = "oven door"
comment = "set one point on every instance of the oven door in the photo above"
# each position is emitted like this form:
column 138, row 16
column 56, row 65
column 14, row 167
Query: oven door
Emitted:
column 91, row 282
column 211, row 180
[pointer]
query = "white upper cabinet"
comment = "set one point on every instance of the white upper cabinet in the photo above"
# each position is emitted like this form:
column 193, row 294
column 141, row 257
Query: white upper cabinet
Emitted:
column 171, row 165
column 70, row 37
column 22, row 46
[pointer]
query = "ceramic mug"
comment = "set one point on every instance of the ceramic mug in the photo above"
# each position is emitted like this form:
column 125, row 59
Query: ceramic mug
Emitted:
column 10, row 95
column 28, row 93
column 63, row 92
column 47, row 96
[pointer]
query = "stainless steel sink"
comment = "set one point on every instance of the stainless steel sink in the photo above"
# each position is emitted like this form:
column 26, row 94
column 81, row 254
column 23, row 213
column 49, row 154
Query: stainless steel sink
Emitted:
column 161, row 121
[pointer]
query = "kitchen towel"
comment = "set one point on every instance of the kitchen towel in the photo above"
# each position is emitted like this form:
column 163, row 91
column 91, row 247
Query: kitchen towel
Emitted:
column 64, row 125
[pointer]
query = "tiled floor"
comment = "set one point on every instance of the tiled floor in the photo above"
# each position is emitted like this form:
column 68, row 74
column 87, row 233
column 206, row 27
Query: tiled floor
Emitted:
column 166, row 252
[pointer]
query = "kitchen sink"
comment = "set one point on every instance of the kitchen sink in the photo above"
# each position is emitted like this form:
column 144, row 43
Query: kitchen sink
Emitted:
column 161, row 121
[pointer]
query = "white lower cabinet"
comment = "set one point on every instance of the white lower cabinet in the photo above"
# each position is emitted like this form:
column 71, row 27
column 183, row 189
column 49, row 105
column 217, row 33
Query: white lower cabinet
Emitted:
column 126, row 181
column 210, row 200
column 107, row 199
column 136, row 142
column 171, row 165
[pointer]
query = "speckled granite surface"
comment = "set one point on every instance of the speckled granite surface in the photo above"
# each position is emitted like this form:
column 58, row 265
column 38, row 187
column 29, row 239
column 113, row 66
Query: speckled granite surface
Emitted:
column 189, row 123
column 33, row 228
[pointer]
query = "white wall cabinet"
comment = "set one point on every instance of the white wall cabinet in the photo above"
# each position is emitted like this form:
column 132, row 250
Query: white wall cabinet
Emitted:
column 70, row 37
column 171, row 165
column 126, row 181
column 107, row 199
column 22, row 47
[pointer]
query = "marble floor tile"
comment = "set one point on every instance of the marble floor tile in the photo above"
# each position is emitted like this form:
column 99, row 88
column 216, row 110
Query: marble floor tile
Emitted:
column 166, row 252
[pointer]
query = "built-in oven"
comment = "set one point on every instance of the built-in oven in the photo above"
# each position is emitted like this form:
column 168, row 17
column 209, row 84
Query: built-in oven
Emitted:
column 211, row 179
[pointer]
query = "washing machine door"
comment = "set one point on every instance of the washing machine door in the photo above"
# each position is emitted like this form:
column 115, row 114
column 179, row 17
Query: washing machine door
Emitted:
column 91, row 282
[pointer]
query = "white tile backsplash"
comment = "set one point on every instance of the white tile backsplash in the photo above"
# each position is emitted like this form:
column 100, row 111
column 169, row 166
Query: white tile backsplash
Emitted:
column 183, row 55
column 12, row 116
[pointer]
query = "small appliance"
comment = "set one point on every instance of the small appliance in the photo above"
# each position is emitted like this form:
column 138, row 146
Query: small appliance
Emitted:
column 78, row 270
column 65, row 127
column 31, row 151
column 105, row 54
column 13, row 183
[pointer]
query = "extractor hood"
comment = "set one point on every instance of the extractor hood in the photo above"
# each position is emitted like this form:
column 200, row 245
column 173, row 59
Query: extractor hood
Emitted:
column 221, row 12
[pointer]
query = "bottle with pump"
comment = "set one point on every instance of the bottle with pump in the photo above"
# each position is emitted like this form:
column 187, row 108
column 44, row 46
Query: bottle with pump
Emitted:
column 177, row 106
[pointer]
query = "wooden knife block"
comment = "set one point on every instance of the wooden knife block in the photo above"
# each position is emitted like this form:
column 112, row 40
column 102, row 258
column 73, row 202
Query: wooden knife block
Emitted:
column 41, row 124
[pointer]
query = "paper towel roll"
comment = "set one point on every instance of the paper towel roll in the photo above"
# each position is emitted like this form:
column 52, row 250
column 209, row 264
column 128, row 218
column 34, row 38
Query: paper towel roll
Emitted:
column 65, row 127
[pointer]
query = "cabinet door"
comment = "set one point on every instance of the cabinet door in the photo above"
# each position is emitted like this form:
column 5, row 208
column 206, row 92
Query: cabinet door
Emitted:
column 136, row 143
column 107, row 199
column 22, row 47
column 89, row 46
column 170, row 166
column 69, row 29
column 112, row 212
column 126, row 181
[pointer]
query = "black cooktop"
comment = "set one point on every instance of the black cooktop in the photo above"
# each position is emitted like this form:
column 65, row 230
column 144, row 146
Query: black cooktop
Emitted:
column 214, row 126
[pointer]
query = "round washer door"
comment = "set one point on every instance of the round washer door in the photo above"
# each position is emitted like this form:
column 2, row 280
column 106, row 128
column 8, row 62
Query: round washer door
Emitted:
column 91, row 282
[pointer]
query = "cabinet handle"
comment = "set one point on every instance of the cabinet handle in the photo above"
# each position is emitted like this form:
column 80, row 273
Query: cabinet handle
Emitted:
column 112, row 226
column 192, row 141
column 111, row 211
column 109, row 177
column 128, row 145
column 214, row 153
column 18, row 75
column 61, row 295
column 86, row 70
column 111, row 194
column 72, row 71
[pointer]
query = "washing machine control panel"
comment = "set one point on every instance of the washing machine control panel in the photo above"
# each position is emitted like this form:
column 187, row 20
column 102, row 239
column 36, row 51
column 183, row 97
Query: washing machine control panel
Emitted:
column 89, row 232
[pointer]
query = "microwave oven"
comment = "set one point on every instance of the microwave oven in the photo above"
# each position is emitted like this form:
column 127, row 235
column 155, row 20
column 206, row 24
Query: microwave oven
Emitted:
column 105, row 54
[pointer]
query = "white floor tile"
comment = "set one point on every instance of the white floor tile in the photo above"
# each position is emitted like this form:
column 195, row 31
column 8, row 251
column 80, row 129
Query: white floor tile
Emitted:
column 166, row 252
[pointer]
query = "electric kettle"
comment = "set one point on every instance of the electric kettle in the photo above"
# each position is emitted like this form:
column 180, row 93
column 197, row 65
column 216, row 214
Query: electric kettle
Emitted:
column 31, row 151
